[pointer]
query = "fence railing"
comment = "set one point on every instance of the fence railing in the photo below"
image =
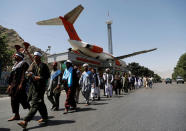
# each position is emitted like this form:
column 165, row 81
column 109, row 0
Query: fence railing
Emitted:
column 3, row 86
column 3, row 82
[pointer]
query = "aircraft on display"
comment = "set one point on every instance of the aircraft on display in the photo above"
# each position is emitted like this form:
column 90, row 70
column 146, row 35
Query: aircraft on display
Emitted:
column 81, row 47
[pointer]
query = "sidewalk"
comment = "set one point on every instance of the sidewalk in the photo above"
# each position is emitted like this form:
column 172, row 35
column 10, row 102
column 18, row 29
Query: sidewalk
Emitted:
column 3, row 95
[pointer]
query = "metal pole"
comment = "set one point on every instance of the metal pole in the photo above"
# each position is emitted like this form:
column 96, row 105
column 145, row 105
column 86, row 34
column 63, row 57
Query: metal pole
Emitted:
column 109, row 36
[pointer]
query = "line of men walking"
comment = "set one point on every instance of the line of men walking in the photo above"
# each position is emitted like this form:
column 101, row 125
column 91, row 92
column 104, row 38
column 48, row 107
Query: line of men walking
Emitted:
column 27, row 86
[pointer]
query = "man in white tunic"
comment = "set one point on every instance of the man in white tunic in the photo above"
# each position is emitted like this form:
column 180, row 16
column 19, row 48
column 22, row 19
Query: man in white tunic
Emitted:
column 85, row 83
column 108, row 78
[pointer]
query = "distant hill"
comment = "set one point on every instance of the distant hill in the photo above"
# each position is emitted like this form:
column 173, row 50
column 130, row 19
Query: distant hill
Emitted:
column 13, row 39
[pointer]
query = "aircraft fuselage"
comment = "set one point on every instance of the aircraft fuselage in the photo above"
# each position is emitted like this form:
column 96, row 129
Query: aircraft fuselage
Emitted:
column 83, row 47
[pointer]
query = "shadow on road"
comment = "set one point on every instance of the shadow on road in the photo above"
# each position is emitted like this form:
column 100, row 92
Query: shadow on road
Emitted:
column 4, row 129
column 36, row 118
column 95, row 103
column 85, row 109
column 51, row 123
column 104, row 99
column 115, row 96
column 61, row 109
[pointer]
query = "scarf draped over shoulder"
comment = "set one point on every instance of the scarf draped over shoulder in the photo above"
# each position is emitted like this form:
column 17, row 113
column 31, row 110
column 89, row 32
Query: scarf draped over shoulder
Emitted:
column 68, row 76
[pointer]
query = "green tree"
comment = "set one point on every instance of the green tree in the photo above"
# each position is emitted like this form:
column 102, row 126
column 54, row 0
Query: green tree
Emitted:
column 157, row 78
column 140, row 71
column 5, row 54
column 180, row 69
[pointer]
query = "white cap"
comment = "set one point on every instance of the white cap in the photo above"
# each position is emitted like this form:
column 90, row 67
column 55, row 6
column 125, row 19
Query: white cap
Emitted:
column 107, row 69
column 68, row 61
column 85, row 64
column 20, row 55
column 37, row 53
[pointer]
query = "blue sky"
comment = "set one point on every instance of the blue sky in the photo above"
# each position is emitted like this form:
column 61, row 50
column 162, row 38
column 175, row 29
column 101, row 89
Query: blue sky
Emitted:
column 137, row 25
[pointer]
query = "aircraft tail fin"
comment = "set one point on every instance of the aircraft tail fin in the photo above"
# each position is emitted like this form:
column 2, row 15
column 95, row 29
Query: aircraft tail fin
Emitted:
column 68, row 21
column 74, row 14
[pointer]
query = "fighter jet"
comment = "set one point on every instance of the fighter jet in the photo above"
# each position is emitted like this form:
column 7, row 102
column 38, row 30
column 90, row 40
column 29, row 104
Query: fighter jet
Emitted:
column 81, row 47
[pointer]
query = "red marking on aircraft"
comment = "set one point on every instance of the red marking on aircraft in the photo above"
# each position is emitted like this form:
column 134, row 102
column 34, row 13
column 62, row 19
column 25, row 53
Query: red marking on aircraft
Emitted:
column 70, row 29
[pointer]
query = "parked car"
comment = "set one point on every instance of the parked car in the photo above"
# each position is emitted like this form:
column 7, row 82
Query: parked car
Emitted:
column 179, row 79
column 168, row 80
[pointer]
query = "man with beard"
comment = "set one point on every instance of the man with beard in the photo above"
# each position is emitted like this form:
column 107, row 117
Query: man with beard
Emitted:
column 17, row 86
column 39, row 74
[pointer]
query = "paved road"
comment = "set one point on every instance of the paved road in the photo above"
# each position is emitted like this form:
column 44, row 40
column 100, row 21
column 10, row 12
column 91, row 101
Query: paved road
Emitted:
column 162, row 108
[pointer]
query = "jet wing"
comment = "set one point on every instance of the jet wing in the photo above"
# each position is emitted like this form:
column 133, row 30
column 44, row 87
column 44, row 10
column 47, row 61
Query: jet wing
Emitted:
column 135, row 53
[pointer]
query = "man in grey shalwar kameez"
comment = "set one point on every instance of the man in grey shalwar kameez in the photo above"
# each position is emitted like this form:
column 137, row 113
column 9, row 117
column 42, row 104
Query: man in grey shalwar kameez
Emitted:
column 53, row 92
column 85, row 83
